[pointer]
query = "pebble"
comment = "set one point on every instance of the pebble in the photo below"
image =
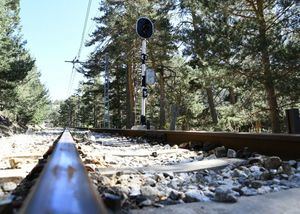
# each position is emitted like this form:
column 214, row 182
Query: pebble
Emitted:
column 225, row 194
column 263, row 190
column 292, row 163
column 273, row 172
column 150, row 191
column 256, row 171
column 248, row 191
column 239, row 173
column 110, row 159
column 212, row 156
column 134, row 191
column 195, row 195
column 176, row 195
column 272, row 162
column 154, row 154
column 244, row 153
column 124, row 189
column 209, row 193
column 169, row 201
column 111, row 201
column 167, row 146
column 276, row 181
column 220, row 152
column 255, row 160
column 175, row 183
column 9, row 186
column 159, row 177
column 296, row 178
column 298, row 165
column 287, row 168
column 231, row 153
column 175, row 147
column 104, row 180
column 168, row 175
column 284, row 176
column 265, row 176
column 151, row 182
column 257, row 184
column 140, row 198
column 2, row 195
column 146, row 202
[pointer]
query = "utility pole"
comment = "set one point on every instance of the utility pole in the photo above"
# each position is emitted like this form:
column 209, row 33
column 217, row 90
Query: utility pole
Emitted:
column 78, row 109
column 106, row 119
column 70, row 116
column 74, row 61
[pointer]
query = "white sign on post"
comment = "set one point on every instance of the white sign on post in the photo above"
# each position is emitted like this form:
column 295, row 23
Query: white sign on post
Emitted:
column 150, row 76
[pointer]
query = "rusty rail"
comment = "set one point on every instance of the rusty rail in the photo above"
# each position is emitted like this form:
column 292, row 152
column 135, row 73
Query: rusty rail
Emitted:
column 63, row 186
column 283, row 145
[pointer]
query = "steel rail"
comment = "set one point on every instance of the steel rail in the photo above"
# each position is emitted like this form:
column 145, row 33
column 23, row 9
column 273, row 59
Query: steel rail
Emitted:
column 63, row 186
column 283, row 145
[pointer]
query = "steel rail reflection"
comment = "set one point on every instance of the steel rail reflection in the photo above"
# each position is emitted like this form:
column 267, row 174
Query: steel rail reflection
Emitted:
column 63, row 186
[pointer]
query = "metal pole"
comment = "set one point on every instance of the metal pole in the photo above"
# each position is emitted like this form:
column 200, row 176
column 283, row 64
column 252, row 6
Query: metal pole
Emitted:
column 144, row 87
column 95, row 119
column 70, row 116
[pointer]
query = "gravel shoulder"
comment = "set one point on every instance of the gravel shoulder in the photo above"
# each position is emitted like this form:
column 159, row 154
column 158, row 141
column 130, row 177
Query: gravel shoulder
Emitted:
column 18, row 156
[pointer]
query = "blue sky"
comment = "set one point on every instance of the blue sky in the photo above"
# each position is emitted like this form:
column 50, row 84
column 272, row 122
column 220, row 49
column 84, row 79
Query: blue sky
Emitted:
column 53, row 31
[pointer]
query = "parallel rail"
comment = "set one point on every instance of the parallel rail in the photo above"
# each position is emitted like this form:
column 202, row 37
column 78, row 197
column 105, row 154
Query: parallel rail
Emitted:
column 284, row 145
column 63, row 186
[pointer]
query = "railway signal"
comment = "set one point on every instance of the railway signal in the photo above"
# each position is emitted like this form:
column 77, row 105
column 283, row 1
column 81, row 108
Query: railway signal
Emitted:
column 144, row 28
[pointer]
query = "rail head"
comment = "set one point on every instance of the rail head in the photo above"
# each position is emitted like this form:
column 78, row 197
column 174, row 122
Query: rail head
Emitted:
column 63, row 186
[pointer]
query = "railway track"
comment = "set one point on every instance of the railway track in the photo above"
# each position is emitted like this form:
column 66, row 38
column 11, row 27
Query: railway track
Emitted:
column 283, row 145
column 131, row 170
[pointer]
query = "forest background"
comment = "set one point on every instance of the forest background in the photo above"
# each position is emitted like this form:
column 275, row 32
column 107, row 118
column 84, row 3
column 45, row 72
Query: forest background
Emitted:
column 230, row 66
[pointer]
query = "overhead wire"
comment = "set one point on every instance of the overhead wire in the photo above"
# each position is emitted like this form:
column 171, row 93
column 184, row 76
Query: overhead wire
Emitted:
column 76, row 59
column 84, row 27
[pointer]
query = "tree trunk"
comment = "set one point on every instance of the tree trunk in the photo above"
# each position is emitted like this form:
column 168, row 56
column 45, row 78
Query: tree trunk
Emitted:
column 162, row 92
column 274, row 112
column 174, row 114
column 212, row 108
column 199, row 50
column 265, row 60
column 232, row 98
column 94, row 113
column 162, row 101
column 119, row 115
column 129, row 97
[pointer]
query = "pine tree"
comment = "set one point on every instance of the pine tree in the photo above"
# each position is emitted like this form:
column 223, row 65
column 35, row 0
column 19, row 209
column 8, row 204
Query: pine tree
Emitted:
column 15, row 61
column 267, row 28
column 32, row 104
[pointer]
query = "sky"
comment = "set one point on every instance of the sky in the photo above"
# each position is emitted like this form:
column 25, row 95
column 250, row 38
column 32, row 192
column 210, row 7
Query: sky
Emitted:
column 53, row 29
